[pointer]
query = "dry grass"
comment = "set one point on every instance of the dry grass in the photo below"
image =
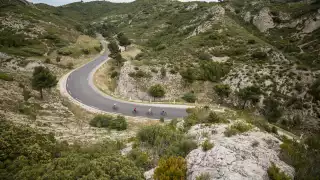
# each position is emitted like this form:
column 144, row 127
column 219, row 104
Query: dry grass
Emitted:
column 131, row 52
column 102, row 79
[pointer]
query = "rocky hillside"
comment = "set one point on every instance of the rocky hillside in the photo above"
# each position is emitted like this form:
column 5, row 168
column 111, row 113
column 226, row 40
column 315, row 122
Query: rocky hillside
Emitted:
column 271, row 45
column 259, row 58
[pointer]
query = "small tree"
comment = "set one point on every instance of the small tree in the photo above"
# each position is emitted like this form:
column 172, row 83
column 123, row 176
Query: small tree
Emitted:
column 223, row 91
column 171, row 168
column 113, row 48
column 271, row 110
column 118, row 59
column 251, row 93
column 43, row 79
column 124, row 41
column 156, row 91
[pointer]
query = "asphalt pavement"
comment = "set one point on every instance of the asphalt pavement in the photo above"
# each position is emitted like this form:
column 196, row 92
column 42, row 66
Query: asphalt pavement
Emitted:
column 80, row 86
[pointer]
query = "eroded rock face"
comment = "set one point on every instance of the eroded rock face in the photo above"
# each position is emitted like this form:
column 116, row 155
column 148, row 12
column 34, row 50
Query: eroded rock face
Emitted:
column 246, row 156
column 263, row 21
column 136, row 88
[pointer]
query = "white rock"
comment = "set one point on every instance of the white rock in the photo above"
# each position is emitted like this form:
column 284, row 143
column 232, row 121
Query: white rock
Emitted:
column 263, row 21
column 234, row 158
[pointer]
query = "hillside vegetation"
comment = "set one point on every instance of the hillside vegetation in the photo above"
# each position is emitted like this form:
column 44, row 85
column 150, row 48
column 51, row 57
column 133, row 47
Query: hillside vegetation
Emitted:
column 259, row 60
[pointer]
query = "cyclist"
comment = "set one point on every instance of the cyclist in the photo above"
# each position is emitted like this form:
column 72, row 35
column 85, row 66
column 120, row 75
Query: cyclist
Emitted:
column 135, row 110
column 163, row 112
column 150, row 111
column 114, row 106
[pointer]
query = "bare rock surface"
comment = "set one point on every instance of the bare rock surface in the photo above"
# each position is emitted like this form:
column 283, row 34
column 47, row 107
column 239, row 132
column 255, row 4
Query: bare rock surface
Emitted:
column 136, row 88
column 245, row 156
column 263, row 21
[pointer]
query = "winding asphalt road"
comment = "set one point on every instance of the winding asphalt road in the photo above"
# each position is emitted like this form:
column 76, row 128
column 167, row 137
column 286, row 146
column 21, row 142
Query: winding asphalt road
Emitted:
column 80, row 86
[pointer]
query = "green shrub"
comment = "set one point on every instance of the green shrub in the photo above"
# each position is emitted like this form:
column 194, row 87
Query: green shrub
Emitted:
column 70, row 65
column 86, row 51
column 139, row 74
column 237, row 128
column 47, row 60
column 172, row 71
column 154, row 70
column 156, row 91
column 206, row 145
column 222, row 90
column 101, row 121
column 259, row 55
column 171, row 168
column 141, row 159
column 251, row 41
column 214, row 118
column 204, row 176
column 165, row 140
column 274, row 173
column 189, row 97
column 114, row 74
column 5, row 77
column 119, row 123
column 58, row 59
column 272, row 110
column 162, row 119
column 204, row 56
column 160, row 47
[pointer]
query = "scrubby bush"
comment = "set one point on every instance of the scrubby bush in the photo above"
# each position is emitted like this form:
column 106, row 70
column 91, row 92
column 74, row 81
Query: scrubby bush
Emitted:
column 259, row 55
column 58, row 59
column 166, row 141
column 206, row 145
column 274, row 173
column 222, row 90
column 139, row 74
column 160, row 47
column 237, row 128
column 101, row 121
column 189, row 97
column 214, row 118
column 172, row 71
column 204, row 176
column 251, row 93
column 119, row 123
column 171, row 168
column 304, row 156
column 70, row 65
column 141, row 159
column 154, row 70
column 114, row 74
column 47, row 60
column 212, row 71
column 204, row 56
column 5, row 77
column 31, row 155
column 86, row 51
column 251, row 41
column 156, row 91
column 271, row 110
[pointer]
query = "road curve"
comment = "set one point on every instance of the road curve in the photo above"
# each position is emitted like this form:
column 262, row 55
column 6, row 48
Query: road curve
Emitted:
column 79, row 85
